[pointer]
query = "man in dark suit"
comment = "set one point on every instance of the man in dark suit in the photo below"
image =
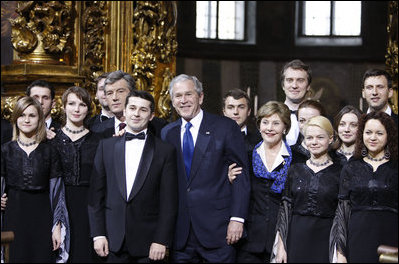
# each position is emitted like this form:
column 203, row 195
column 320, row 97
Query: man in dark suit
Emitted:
column 105, row 113
column 211, row 211
column 237, row 106
column 117, row 86
column 377, row 90
column 44, row 93
column 133, row 190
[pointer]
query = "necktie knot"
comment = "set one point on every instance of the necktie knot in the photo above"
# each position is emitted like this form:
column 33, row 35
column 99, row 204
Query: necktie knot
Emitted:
column 293, row 111
column 121, row 126
column 188, row 125
column 130, row 136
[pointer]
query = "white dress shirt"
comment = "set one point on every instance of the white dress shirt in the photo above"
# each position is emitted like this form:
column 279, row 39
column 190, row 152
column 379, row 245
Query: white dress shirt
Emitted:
column 48, row 122
column 194, row 129
column 133, row 152
column 293, row 134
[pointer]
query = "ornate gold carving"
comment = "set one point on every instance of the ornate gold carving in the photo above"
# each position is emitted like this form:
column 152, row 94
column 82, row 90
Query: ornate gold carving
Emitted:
column 154, row 38
column 94, row 23
column 41, row 32
column 392, row 50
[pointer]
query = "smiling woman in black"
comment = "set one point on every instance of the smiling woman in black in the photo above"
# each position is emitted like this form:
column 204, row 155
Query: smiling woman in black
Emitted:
column 367, row 215
column 309, row 200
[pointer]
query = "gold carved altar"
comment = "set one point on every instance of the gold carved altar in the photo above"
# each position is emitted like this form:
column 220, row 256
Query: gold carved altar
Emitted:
column 72, row 42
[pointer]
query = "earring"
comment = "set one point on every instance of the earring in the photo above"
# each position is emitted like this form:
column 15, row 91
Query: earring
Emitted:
column 387, row 154
column 364, row 151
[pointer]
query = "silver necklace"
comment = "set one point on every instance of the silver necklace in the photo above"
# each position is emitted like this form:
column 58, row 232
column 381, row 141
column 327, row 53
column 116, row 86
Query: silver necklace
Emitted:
column 74, row 131
column 345, row 153
column 373, row 159
column 319, row 164
column 26, row 144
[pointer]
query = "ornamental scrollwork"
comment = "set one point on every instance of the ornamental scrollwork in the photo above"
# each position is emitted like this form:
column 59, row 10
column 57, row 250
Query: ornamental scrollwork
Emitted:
column 49, row 24
column 154, row 38
column 94, row 23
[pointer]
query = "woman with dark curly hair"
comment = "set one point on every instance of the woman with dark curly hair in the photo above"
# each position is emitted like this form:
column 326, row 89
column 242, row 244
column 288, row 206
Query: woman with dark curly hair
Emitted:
column 367, row 213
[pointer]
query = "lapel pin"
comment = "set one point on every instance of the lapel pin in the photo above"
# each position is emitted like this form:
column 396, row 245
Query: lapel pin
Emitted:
column 207, row 132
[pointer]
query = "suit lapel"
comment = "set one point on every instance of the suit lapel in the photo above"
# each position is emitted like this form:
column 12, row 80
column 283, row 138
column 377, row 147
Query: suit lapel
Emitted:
column 144, row 165
column 201, row 145
column 119, row 161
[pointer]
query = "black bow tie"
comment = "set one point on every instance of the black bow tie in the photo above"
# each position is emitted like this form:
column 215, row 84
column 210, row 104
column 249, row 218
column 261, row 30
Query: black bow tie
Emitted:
column 294, row 111
column 130, row 136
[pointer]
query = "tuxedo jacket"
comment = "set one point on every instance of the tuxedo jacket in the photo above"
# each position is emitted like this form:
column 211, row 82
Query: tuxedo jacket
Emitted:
column 207, row 199
column 148, row 214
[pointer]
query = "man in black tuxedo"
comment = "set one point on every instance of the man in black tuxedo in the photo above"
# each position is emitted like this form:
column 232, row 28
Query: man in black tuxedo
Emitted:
column 133, row 190
column 44, row 93
column 237, row 106
column 117, row 86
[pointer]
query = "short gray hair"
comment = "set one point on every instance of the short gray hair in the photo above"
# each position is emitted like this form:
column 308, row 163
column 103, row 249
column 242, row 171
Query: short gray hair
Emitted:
column 119, row 75
column 185, row 77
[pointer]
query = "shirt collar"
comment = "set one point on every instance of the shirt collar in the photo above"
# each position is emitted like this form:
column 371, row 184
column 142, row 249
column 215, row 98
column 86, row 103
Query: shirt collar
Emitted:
column 196, row 121
column 48, row 122
column 388, row 110
column 244, row 129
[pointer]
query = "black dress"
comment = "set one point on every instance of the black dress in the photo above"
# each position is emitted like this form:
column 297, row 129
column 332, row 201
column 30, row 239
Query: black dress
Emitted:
column 370, row 201
column 311, row 200
column 36, row 202
column 77, row 159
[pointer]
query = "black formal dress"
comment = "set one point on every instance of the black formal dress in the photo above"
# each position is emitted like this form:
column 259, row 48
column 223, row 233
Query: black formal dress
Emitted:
column 36, row 202
column 367, row 214
column 77, row 158
column 6, row 131
column 307, row 211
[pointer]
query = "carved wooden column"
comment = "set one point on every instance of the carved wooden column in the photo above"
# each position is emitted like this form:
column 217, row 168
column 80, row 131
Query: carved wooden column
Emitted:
column 392, row 51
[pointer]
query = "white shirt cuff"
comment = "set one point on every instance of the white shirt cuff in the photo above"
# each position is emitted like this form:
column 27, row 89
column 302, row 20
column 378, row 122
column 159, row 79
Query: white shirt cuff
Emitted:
column 98, row 237
column 237, row 219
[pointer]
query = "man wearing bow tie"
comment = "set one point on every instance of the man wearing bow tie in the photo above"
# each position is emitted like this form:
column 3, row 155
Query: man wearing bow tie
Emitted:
column 211, row 211
column 133, row 190
column 295, row 80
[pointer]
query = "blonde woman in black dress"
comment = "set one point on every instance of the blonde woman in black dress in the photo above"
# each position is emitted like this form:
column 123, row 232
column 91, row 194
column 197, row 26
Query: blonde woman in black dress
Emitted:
column 35, row 209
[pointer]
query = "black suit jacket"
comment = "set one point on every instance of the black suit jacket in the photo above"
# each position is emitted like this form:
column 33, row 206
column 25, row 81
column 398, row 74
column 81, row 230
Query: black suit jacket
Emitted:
column 149, row 213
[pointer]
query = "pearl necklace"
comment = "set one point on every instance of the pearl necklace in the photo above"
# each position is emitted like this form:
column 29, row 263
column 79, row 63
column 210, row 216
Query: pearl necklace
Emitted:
column 345, row 153
column 373, row 159
column 319, row 164
column 74, row 131
column 26, row 144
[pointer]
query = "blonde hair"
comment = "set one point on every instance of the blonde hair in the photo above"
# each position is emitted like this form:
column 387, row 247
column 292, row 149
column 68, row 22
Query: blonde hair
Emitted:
column 322, row 122
column 275, row 107
column 20, row 106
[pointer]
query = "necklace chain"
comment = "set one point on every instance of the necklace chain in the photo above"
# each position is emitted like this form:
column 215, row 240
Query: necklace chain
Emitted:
column 26, row 144
column 319, row 164
column 373, row 159
column 74, row 131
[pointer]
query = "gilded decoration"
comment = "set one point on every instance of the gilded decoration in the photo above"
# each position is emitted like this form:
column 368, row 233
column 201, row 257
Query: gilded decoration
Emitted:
column 155, row 48
column 392, row 50
column 42, row 30
column 73, row 42
column 94, row 23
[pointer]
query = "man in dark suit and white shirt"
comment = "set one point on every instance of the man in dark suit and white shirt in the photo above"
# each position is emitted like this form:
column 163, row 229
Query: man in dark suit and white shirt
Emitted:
column 133, row 190
column 117, row 86
column 211, row 211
